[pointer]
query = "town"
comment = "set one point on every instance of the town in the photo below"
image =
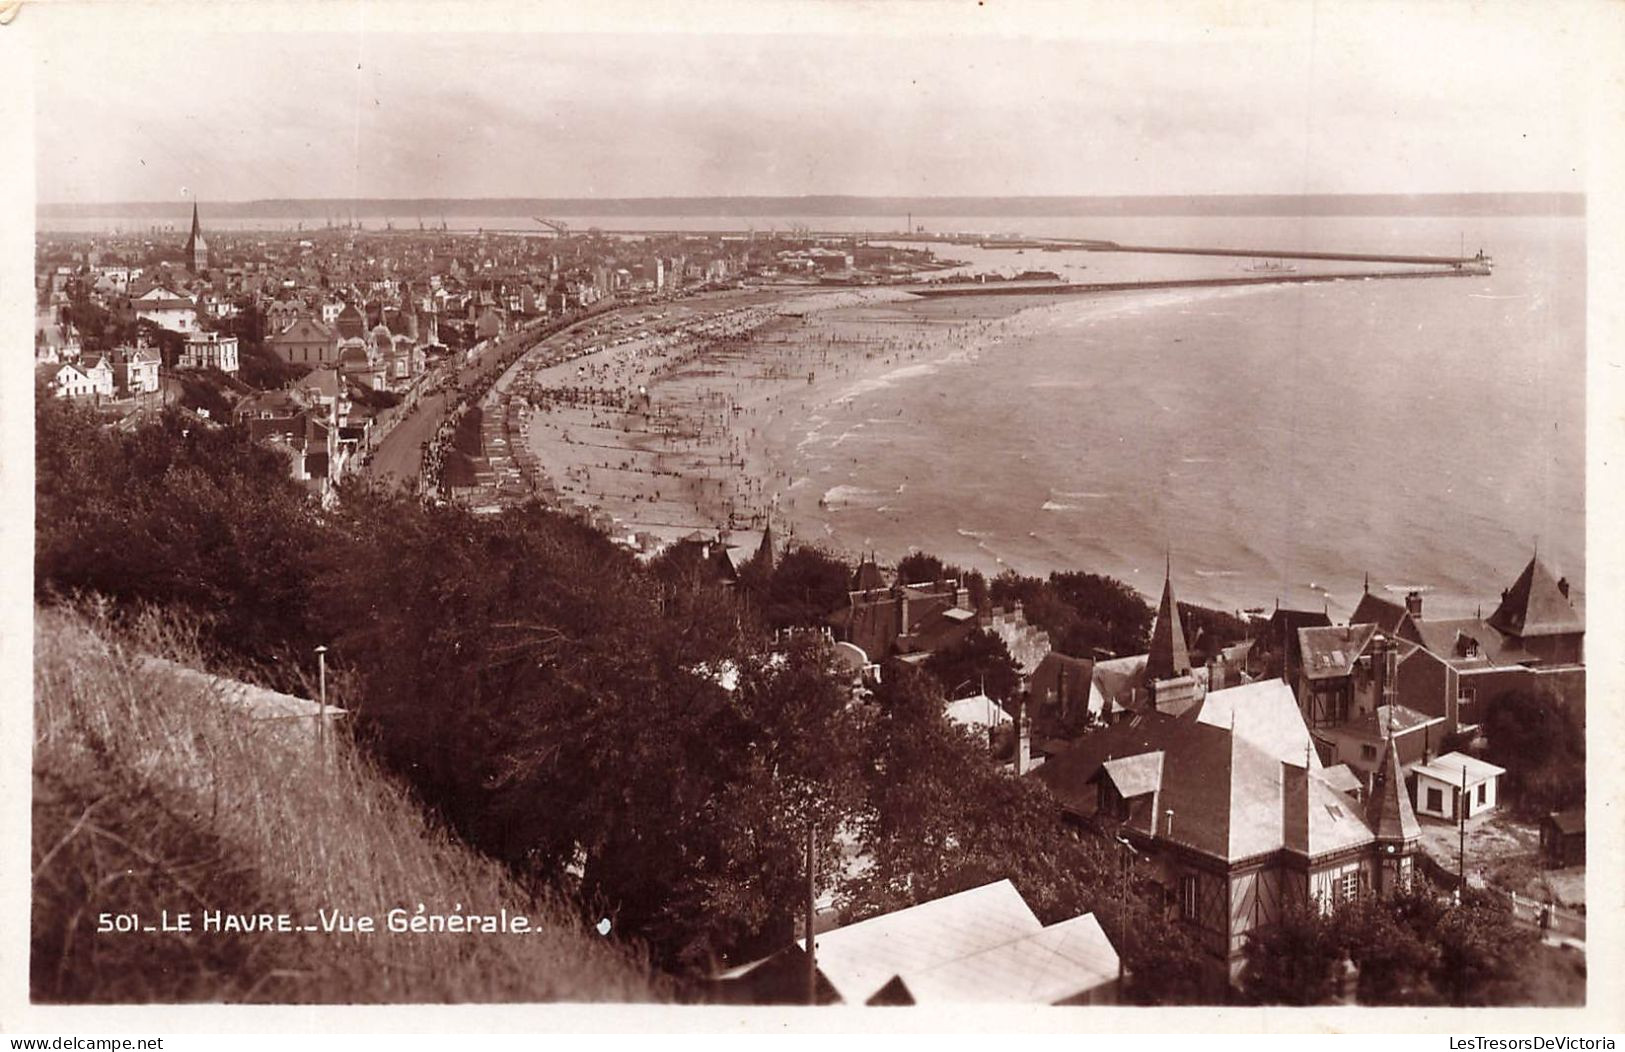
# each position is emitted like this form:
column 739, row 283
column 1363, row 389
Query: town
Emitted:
column 1216, row 789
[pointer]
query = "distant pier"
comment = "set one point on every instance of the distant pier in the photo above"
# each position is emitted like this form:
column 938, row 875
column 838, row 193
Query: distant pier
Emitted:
column 1051, row 288
column 1480, row 260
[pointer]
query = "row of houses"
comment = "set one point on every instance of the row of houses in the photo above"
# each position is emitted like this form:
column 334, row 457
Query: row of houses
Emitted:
column 1248, row 793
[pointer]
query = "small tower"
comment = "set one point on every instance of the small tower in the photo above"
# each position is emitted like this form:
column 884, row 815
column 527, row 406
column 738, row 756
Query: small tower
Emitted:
column 1168, row 677
column 1389, row 814
column 197, row 249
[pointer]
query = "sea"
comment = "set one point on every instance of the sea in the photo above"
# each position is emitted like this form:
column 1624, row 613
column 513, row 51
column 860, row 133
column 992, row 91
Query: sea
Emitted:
column 1276, row 444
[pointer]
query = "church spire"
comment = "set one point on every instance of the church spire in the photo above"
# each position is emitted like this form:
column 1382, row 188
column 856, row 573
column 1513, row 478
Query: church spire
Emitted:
column 197, row 249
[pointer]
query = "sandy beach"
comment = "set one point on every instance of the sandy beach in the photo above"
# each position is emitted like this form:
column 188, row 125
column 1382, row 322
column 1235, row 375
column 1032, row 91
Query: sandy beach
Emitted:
column 689, row 416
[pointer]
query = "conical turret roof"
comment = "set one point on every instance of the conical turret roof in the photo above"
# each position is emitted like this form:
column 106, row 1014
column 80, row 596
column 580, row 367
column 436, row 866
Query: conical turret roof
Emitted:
column 1388, row 812
column 1535, row 606
column 1169, row 656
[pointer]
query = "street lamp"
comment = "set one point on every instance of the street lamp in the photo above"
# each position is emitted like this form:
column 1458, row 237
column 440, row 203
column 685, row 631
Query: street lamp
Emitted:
column 1128, row 857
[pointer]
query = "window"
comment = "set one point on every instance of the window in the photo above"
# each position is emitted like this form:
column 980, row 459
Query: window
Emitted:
column 1348, row 886
column 1435, row 800
column 1368, row 752
column 1483, row 789
column 1188, row 902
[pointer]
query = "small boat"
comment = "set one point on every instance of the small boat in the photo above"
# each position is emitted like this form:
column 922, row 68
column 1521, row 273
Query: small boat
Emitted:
column 1270, row 266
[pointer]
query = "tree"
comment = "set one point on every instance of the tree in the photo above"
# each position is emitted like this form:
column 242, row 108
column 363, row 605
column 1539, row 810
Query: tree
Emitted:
column 807, row 586
column 1411, row 948
column 1542, row 748
column 981, row 661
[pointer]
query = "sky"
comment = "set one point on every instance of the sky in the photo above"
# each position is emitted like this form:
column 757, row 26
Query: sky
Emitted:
column 861, row 98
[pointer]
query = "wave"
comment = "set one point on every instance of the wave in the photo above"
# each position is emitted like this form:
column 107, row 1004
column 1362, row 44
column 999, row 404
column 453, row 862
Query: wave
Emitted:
column 1080, row 494
column 1218, row 573
column 846, row 496
column 1050, row 505
column 978, row 534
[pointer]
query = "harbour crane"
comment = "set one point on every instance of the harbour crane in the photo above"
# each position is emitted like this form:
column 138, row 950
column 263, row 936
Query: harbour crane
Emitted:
column 560, row 229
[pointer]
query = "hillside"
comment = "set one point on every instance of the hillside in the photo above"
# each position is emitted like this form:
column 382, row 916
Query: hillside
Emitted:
column 152, row 793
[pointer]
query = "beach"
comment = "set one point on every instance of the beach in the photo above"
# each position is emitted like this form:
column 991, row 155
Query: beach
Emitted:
column 691, row 421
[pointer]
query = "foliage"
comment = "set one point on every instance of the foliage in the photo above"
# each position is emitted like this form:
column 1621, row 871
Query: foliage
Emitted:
column 1542, row 748
column 920, row 567
column 807, row 586
column 1413, row 947
column 195, row 518
column 980, row 660
column 1085, row 614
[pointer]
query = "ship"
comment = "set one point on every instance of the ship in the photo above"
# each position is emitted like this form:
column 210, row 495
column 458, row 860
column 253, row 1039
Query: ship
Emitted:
column 1271, row 266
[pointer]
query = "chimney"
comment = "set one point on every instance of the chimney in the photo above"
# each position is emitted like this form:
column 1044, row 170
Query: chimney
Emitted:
column 1413, row 604
column 962, row 595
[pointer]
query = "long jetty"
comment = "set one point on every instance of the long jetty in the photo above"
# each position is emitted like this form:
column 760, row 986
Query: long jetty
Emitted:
column 1051, row 288
column 1279, row 253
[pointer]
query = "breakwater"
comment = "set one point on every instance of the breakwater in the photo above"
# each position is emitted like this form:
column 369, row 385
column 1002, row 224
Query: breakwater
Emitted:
column 1049, row 288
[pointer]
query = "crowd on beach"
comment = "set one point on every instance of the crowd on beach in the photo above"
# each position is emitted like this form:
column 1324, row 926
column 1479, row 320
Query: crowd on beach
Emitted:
column 673, row 424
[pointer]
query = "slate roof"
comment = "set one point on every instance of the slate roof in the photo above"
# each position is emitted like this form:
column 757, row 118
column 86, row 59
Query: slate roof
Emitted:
column 1343, row 779
column 1267, row 714
column 1135, row 775
column 860, row 958
column 1444, row 639
column 976, row 711
column 1569, row 822
column 1055, row 964
column 1062, row 680
column 1534, row 606
column 1374, row 610
column 1115, row 679
column 1448, row 769
column 1234, row 794
column 1388, row 811
column 1330, row 652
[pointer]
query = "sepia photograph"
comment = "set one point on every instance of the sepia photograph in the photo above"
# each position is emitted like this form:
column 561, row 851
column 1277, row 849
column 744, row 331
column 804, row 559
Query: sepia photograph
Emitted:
column 1065, row 510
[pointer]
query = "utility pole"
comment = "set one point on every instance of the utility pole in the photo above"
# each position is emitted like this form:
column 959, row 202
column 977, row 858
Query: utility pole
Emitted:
column 812, row 906
column 321, row 704
column 1461, row 823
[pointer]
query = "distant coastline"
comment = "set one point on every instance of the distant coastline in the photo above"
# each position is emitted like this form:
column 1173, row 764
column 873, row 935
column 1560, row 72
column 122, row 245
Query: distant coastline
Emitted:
column 1473, row 204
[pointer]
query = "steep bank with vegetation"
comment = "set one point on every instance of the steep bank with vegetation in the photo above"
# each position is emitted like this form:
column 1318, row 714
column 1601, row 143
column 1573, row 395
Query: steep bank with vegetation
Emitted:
column 151, row 795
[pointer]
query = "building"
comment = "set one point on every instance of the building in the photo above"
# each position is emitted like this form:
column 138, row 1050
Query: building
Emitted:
column 165, row 308
column 98, row 374
column 1563, row 839
column 905, row 620
column 1538, row 613
column 1230, row 804
column 136, row 369
column 1456, row 786
column 64, row 380
column 305, row 342
column 980, row 946
column 1533, row 641
column 305, row 433
column 1352, row 687
column 209, row 350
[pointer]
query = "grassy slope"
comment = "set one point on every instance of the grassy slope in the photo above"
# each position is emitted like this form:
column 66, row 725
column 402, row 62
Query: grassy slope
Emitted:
column 150, row 794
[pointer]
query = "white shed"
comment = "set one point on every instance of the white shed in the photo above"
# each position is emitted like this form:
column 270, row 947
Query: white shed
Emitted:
column 1440, row 781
